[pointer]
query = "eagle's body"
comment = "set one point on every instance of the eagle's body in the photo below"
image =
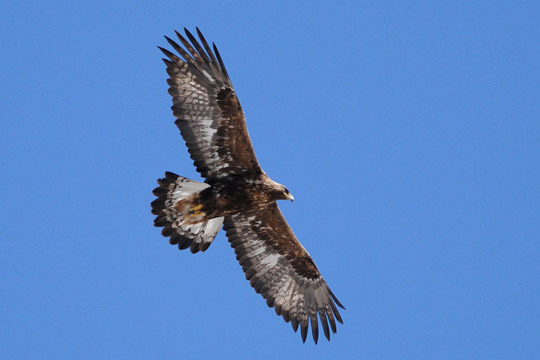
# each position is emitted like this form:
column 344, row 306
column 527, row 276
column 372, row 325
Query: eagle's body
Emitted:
column 236, row 193
column 232, row 195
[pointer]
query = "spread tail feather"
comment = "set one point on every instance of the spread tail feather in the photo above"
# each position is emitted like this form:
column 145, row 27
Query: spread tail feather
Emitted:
column 180, row 227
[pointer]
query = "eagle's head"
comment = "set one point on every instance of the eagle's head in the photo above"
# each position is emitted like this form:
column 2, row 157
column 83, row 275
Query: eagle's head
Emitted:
column 278, row 191
column 287, row 194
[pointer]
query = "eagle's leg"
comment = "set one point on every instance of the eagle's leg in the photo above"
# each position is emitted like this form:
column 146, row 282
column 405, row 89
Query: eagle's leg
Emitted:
column 196, row 210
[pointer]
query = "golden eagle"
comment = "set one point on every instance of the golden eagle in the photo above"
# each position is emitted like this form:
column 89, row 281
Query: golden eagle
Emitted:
column 236, row 193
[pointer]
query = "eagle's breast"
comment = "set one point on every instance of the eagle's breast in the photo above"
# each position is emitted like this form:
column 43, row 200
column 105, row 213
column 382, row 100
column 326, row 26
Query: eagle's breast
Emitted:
column 233, row 195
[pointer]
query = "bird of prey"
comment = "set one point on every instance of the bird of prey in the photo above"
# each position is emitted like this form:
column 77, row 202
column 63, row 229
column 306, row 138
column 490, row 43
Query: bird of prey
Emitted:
column 236, row 192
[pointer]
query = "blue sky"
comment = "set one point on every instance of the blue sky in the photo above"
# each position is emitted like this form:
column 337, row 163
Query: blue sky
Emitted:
column 408, row 133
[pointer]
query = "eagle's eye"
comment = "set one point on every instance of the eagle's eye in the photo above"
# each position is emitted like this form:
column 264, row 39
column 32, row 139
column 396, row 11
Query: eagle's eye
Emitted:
column 287, row 191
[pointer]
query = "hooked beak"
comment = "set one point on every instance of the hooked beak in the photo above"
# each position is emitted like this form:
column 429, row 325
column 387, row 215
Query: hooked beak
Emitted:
column 290, row 197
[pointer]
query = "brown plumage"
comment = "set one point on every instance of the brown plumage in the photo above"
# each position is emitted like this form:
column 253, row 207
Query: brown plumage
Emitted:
column 236, row 193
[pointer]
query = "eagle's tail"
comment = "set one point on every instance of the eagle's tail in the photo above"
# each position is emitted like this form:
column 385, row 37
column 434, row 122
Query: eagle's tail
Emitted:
column 185, row 229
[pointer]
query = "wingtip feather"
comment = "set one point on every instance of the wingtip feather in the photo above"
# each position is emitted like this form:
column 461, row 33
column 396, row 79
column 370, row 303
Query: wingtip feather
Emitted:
column 304, row 331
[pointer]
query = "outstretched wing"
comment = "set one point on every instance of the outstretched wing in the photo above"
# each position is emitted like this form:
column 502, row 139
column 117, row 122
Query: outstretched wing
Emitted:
column 281, row 270
column 208, row 112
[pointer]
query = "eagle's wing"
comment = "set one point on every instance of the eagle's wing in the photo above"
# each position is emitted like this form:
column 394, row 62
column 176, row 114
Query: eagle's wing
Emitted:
column 281, row 270
column 208, row 112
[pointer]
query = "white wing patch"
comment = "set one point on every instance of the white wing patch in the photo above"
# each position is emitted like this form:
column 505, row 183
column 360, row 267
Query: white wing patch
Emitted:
column 269, row 261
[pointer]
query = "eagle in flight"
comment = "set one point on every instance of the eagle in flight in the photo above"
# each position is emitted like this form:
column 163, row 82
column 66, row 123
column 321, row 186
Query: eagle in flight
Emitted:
column 236, row 193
